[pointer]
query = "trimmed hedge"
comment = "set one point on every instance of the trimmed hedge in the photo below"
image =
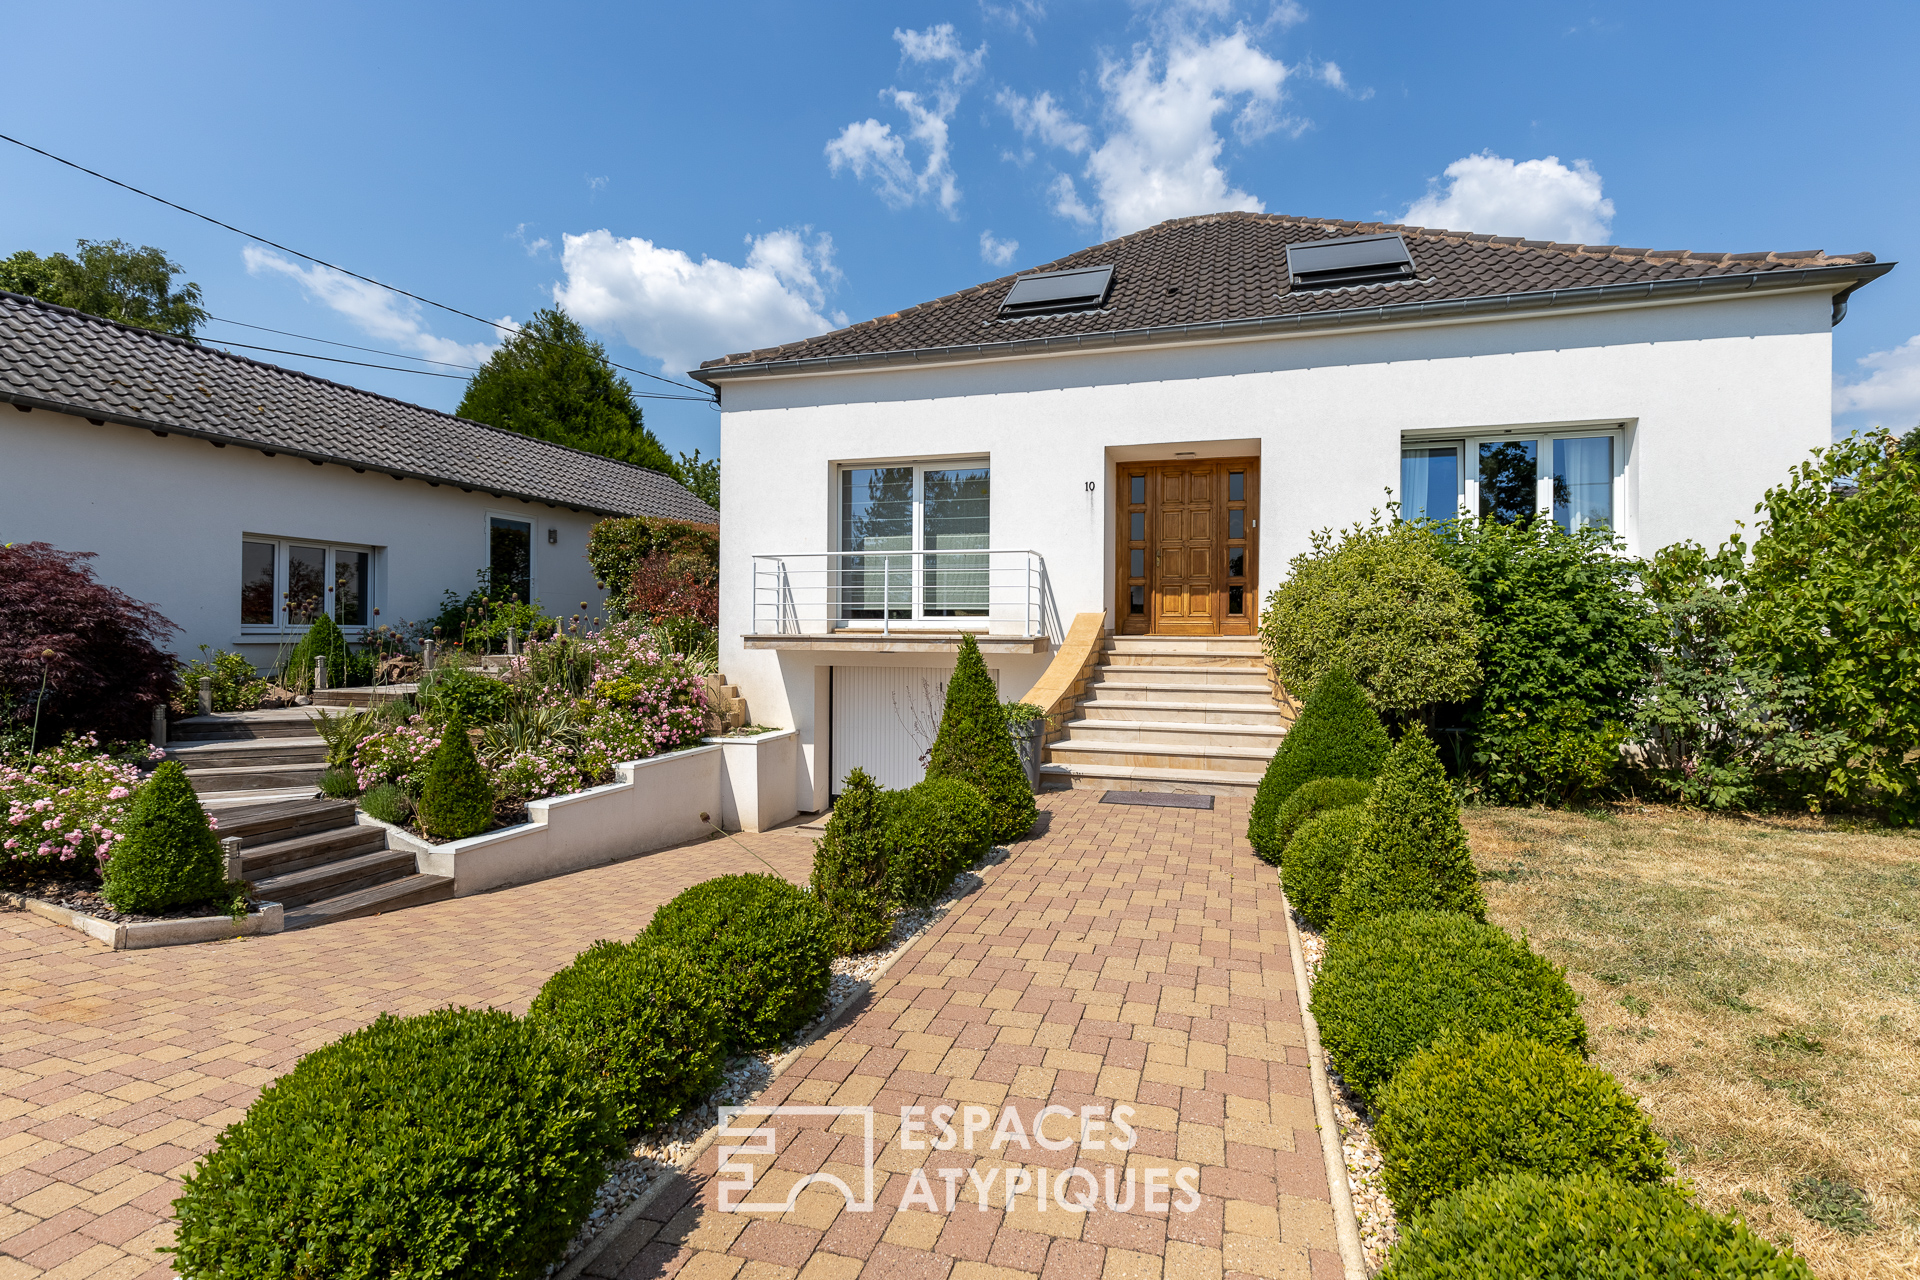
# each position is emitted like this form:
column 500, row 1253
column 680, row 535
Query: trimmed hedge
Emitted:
column 460, row 1143
column 1312, row 798
column 456, row 801
column 167, row 854
column 1527, row 1227
column 765, row 946
column 934, row 830
column 645, row 1019
column 1390, row 987
column 1317, row 858
column 973, row 746
column 850, row 866
column 1412, row 854
column 1338, row 735
column 1467, row 1108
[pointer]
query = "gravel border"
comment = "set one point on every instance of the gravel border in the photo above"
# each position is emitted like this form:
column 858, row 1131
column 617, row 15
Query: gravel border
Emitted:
column 674, row 1146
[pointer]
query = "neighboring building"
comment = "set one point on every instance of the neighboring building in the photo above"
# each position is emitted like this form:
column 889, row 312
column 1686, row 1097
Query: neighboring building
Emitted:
column 243, row 499
column 1148, row 430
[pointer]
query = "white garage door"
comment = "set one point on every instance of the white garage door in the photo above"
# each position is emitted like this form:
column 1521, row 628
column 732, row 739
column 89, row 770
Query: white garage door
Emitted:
column 885, row 719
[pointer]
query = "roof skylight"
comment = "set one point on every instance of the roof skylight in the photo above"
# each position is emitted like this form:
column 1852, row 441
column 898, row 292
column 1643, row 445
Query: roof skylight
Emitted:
column 1349, row 260
column 1081, row 289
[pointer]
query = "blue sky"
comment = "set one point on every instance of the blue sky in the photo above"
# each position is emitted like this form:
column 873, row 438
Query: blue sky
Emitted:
column 698, row 179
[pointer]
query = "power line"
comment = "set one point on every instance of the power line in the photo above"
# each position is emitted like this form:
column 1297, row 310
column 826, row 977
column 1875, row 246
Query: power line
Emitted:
column 305, row 355
column 307, row 337
column 364, row 364
column 324, row 263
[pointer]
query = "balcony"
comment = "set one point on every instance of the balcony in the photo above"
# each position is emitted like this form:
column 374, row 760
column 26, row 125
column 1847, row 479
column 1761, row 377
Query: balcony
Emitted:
column 903, row 601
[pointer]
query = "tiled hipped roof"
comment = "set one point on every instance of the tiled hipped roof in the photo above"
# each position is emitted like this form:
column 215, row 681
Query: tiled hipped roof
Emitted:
column 57, row 358
column 1232, row 267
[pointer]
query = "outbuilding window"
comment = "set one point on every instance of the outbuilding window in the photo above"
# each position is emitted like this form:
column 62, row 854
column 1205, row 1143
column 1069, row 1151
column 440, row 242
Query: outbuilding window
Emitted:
column 287, row 584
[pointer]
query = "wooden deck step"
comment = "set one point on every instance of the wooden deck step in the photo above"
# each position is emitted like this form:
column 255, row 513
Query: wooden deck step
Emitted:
column 260, row 824
column 395, row 895
column 297, row 854
column 337, row 877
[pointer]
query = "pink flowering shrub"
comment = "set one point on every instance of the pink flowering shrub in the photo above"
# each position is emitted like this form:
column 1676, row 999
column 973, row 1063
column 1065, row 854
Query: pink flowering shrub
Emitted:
column 62, row 809
column 397, row 754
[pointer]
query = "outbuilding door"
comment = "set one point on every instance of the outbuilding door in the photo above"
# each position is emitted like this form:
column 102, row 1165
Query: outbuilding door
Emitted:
column 885, row 720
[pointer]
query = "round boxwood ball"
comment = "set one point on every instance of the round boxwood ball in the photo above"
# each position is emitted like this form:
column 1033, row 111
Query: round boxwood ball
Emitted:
column 1391, row 986
column 464, row 1142
column 1525, row 1226
column 1316, row 858
column 1466, row 1108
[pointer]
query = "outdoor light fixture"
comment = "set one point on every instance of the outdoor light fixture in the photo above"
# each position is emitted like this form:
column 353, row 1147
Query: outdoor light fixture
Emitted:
column 553, row 536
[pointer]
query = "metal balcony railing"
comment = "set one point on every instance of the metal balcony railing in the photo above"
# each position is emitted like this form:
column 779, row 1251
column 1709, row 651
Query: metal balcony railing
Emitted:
column 817, row 592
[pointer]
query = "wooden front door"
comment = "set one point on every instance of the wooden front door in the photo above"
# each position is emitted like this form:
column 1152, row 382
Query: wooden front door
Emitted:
column 1187, row 547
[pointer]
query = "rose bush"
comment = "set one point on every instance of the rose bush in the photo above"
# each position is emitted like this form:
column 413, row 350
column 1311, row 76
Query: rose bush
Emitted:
column 63, row 809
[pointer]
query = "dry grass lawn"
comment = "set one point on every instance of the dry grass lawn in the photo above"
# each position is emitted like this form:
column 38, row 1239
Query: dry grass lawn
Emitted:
column 1757, row 984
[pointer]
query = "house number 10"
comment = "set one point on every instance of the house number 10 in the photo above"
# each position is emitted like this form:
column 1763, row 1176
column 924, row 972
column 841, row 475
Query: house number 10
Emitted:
column 1089, row 486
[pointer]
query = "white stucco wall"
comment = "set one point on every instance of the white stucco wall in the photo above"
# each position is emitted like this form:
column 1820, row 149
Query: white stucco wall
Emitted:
column 1719, row 399
column 167, row 515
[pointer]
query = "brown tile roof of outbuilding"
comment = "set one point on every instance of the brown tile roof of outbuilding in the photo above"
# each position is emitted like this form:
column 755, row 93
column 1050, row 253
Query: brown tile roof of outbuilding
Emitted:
column 54, row 357
column 1231, row 268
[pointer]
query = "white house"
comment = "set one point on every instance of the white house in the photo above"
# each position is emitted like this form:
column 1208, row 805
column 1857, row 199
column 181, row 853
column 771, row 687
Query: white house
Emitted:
column 243, row 499
column 1136, row 438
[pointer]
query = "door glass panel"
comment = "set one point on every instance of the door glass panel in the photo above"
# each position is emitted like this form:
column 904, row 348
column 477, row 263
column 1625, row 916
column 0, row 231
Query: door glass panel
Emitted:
column 256, row 584
column 956, row 517
column 1236, row 600
column 350, row 594
column 1137, row 526
column 1236, row 562
column 306, row 584
column 1236, row 523
column 1509, row 481
column 876, row 514
column 1429, row 483
column 1583, row 483
column 1137, row 600
column 1236, row 486
column 510, row 558
column 1136, row 563
column 1136, row 489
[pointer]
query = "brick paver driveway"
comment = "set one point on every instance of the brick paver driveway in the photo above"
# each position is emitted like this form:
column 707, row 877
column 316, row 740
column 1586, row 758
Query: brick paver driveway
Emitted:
column 1123, row 957
column 1127, row 957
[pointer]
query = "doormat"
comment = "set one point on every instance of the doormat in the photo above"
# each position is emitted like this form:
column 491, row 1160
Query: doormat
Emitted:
column 1159, row 799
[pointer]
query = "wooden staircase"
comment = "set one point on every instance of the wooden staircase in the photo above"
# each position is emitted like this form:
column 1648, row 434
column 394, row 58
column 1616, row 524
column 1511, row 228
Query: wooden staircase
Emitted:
column 310, row 857
column 1171, row 713
column 245, row 757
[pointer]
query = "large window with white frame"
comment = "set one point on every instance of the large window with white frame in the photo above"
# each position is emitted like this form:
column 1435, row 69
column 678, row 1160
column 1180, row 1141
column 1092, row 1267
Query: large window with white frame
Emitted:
column 1575, row 477
column 889, row 511
column 288, row 583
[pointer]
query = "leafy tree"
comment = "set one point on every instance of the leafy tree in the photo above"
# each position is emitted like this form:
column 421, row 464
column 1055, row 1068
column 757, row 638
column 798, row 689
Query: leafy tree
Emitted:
column 112, row 279
column 554, row 383
column 702, row 479
column 973, row 745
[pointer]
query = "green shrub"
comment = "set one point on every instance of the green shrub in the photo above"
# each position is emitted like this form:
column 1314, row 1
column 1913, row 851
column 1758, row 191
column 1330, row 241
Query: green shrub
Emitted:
column 933, row 831
column 765, row 946
column 388, row 803
column 1527, row 1227
column 1389, row 987
column 460, row 1143
column 1337, row 735
column 456, row 800
column 167, row 854
column 236, row 685
column 1560, row 756
column 1316, row 861
column 324, row 639
column 1381, row 604
column 1463, row 1109
column 1316, row 797
column 850, row 866
column 645, row 1019
column 1412, row 852
column 973, row 746
column 340, row 783
column 616, row 548
column 449, row 691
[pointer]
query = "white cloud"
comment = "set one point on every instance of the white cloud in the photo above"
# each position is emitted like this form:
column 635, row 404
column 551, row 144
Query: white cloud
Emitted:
column 1019, row 15
column 379, row 313
column 1537, row 199
column 997, row 253
column 1285, row 14
column 534, row 247
column 1043, row 116
column 1067, row 203
column 871, row 148
column 1891, row 388
column 680, row 312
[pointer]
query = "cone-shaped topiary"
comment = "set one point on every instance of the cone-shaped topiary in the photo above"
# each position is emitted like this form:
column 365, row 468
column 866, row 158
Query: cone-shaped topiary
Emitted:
column 167, row 853
column 1412, row 853
column 1338, row 735
column 456, row 801
column 850, row 866
column 322, row 640
column 973, row 746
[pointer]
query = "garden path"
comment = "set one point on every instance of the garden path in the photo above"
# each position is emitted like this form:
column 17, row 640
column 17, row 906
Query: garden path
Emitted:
column 1124, row 956
column 118, row 1069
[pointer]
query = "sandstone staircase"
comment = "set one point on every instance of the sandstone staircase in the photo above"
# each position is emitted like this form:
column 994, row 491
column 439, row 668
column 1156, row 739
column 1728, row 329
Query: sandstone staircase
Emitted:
column 246, row 757
column 310, row 857
column 1171, row 713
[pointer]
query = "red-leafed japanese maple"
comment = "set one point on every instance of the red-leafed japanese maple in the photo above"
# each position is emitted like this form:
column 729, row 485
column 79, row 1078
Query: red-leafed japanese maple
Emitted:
column 105, row 670
column 678, row 585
